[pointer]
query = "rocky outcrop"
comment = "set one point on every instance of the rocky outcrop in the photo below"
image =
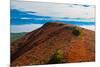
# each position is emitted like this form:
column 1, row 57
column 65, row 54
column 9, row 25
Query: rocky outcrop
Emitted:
column 72, row 43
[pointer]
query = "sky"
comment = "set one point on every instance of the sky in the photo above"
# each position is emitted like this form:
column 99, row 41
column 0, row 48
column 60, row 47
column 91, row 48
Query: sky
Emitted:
column 27, row 15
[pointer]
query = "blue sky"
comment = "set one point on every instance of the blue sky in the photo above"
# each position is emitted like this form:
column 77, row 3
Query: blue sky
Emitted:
column 32, row 15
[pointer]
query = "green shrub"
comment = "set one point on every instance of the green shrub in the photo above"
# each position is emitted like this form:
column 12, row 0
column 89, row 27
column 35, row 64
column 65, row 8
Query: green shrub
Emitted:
column 76, row 32
column 57, row 58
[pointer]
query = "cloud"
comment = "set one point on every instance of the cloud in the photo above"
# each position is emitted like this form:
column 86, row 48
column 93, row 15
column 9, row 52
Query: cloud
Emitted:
column 24, row 28
column 55, row 10
column 88, row 2
column 31, row 27
column 92, row 27
column 62, row 12
column 25, row 18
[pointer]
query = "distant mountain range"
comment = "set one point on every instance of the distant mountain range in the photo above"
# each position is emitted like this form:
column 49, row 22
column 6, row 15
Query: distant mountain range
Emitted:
column 15, row 36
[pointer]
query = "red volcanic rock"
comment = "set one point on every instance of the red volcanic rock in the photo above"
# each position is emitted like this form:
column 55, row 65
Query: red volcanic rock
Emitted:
column 39, row 46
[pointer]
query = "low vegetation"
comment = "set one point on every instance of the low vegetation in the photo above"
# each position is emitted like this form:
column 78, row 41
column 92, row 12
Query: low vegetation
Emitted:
column 15, row 36
column 76, row 32
column 57, row 58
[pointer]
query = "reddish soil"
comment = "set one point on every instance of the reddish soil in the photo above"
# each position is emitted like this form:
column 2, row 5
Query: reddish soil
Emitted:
column 38, row 47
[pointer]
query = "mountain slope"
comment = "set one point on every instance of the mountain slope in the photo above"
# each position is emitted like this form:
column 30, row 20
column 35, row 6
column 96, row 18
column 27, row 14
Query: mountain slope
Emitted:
column 15, row 36
column 54, row 40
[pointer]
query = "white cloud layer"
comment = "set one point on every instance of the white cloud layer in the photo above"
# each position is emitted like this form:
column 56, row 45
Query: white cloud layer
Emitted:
column 89, row 2
column 31, row 27
column 90, row 27
column 24, row 28
column 55, row 9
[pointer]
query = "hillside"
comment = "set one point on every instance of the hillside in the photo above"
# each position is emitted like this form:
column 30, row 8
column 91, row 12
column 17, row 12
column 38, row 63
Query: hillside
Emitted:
column 54, row 43
column 15, row 36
